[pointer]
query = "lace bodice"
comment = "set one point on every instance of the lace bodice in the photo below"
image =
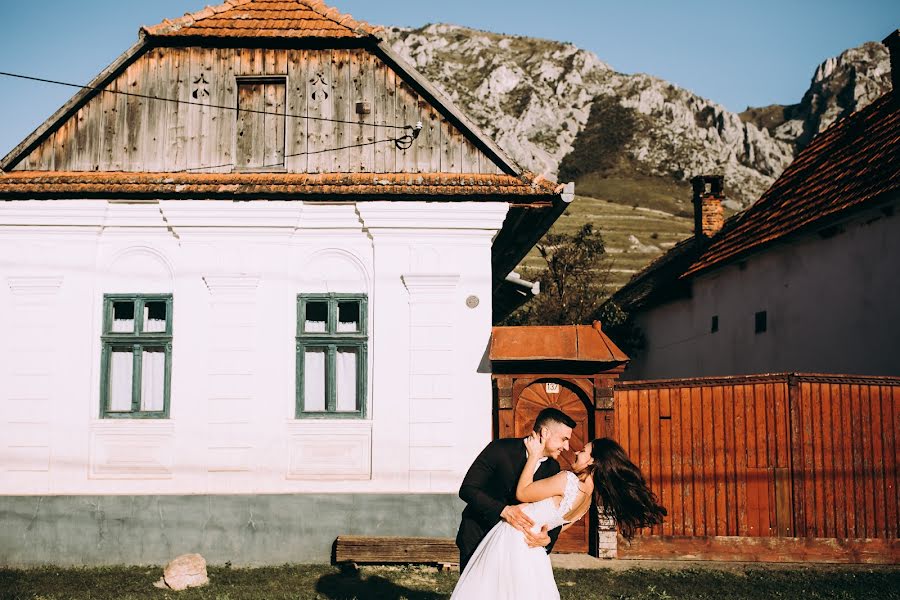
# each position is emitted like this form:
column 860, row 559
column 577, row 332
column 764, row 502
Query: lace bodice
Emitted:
column 547, row 513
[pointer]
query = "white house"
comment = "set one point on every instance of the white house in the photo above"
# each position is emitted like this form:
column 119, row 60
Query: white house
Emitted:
column 246, row 289
column 805, row 280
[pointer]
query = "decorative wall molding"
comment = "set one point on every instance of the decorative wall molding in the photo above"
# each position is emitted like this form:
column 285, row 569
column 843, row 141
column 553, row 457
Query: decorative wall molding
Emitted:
column 425, row 287
column 132, row 450
column 224, row 214
column 326, row 451
column 238, row 284
column 142, row 251
column 431, row 215
column 335, row 270
column 431, row 356
column 131, row 215
column 22, row 458
column 330, row 216
column 63, row 213
column 36, row 285
column 231, row 458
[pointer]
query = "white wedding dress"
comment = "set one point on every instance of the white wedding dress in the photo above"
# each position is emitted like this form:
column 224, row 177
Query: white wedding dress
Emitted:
column 503, row 567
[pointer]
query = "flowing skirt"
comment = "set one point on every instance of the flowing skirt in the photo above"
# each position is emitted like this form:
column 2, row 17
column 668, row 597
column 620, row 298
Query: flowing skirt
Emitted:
column 505, row 568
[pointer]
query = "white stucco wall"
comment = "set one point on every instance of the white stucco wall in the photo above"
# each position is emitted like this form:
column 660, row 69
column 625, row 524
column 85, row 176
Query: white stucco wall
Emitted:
column 235, row 270
column 831, row 304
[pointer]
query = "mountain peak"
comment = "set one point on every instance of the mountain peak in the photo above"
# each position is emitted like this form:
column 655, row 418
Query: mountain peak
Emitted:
column 561, row 111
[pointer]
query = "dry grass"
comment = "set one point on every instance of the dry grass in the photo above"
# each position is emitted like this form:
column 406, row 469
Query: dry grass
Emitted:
column 423, row 583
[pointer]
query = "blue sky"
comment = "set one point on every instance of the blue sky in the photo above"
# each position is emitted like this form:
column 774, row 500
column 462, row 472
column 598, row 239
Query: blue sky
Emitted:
column 747, row 53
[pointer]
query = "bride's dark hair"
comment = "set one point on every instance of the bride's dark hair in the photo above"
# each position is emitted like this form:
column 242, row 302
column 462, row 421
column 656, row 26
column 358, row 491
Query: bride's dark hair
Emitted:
column 620, row 489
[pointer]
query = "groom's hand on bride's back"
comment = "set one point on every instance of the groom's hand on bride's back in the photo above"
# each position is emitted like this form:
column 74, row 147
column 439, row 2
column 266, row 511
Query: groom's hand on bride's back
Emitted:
column 539, row 539
column 515, row 516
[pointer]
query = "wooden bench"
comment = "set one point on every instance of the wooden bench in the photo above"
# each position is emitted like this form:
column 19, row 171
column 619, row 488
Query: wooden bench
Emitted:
column 359, row 549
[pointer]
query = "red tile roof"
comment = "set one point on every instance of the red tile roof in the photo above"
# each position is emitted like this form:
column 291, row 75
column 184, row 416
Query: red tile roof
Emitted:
column 852, row 162
column 264, row 18
column 92, row 183
column 585, row 343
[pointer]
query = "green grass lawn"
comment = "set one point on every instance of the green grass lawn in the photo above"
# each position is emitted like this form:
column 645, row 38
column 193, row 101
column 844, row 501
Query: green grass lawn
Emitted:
column 422, row 583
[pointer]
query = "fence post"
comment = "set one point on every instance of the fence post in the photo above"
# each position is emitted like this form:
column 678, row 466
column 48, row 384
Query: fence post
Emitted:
column 795, row 462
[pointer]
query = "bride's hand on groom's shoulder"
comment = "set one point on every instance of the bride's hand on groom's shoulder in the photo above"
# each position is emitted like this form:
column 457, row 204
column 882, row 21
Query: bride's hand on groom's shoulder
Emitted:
column 535, row 445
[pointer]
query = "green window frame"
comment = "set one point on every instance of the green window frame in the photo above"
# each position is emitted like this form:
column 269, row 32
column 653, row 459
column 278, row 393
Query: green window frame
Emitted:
column 140, row 340
column 331, row 339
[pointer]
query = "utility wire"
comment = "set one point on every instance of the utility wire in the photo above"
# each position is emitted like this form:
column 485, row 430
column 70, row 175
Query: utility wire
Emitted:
column 188, row 102
column 403, row 142
column 397, row 141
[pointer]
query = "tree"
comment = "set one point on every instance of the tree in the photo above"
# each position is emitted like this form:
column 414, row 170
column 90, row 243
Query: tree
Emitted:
column 575, row 288
column 573, row 280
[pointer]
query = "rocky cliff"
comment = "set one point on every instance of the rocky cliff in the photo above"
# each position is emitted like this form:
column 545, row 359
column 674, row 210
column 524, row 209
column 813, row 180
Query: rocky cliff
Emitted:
column 561, row 111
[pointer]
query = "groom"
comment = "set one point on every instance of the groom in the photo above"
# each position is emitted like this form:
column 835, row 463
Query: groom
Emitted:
column 489, row 488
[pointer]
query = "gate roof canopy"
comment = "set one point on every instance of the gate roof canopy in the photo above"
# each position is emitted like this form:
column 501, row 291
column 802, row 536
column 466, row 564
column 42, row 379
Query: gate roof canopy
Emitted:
column 583, row 343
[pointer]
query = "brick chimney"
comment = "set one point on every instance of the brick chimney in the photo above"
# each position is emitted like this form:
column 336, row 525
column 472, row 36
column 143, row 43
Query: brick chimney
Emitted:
column 893, row 43
column 709, row 215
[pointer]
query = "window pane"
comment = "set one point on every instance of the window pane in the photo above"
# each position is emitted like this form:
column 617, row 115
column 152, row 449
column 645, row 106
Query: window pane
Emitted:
column 123, row 317
column 316, row 318
column 348, row 316
column 154, row 317
column 314, row 379
column 153, row 379
column 121, row 370
column 345, row 379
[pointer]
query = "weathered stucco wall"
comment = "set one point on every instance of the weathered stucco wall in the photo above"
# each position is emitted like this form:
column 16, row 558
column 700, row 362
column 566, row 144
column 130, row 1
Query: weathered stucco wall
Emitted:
column 235, row 270
column 243, row 530
column 831, row 307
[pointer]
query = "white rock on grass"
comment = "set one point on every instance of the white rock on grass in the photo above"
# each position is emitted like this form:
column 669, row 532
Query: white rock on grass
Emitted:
column 185, row 571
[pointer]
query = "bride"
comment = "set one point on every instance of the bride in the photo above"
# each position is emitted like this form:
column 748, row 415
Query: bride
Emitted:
column 504, row 567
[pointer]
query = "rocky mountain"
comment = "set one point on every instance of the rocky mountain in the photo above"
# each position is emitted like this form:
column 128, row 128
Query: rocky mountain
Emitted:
column 632, row 138
column 840, row 86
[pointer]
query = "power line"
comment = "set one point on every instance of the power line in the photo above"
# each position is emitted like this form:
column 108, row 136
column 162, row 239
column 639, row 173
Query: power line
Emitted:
column 403, row 142
column 201, row 104
column 397, row 141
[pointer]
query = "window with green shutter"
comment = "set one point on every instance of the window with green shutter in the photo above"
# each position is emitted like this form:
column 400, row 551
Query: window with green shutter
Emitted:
column 332, row 346
column 136, row 358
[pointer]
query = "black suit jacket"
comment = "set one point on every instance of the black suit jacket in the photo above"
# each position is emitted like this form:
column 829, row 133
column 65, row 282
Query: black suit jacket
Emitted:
column 489, row 486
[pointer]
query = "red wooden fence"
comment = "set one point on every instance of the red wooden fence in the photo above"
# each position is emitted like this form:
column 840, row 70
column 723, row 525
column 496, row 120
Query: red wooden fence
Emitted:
column 786, row 457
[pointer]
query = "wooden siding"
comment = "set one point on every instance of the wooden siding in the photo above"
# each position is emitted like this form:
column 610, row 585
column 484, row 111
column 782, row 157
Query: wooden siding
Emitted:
column 790, row 456
column 114, row 132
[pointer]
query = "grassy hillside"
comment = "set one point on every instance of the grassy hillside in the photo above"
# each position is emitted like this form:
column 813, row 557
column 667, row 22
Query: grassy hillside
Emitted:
column 634, row 235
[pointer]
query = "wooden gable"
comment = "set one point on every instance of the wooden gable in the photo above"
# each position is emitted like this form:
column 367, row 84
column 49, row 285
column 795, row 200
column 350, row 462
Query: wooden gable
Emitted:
column 199, row 109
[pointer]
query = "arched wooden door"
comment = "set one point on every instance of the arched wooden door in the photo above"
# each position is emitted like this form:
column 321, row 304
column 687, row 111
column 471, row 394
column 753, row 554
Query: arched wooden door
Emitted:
column 565, row 396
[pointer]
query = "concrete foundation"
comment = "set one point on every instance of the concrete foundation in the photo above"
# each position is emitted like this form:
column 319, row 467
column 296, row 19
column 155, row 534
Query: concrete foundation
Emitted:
column 245, row 530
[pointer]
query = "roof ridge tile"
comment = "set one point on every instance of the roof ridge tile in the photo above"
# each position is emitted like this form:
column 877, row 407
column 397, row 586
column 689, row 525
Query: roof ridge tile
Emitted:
column 347, row 26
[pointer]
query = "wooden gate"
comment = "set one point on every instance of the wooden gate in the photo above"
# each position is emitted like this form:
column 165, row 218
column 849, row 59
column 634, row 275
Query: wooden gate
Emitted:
column 572, row 368
column 567, row 397
column 777, row 468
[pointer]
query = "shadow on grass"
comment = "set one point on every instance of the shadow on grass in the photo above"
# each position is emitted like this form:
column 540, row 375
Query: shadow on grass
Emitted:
column 349, row 585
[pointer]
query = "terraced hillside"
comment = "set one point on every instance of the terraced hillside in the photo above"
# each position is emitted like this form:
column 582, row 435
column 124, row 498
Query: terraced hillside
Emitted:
column 634, row 235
